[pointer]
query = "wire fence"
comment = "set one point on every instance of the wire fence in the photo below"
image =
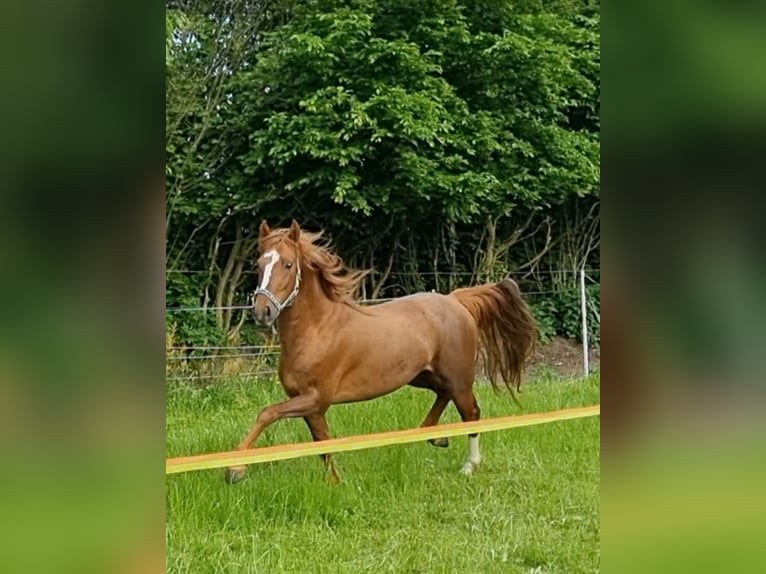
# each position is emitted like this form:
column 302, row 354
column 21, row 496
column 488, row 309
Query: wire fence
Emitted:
column 446, row 274
column 180, row 358
column 219, row 347
column 197, row 377
column 361, row 301
column 247, row 307
column 226, row 356
column 407, row 273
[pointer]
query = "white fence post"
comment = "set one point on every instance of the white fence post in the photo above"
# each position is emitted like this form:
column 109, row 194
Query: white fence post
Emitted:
column 586, row 366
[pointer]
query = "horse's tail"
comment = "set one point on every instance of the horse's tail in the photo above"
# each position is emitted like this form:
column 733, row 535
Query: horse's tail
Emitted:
column 507, row 330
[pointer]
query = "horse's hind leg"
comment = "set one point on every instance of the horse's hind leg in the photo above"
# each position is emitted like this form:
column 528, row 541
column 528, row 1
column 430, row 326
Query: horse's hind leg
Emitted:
column 432, row 418
column 429, row 380
column 466, row 404
column 318, row 426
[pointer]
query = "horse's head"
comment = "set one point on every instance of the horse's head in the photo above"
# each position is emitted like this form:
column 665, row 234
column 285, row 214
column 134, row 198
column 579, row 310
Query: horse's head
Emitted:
column 279, row 272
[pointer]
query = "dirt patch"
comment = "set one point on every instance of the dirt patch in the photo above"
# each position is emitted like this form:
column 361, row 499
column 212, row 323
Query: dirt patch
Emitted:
column 563, row 357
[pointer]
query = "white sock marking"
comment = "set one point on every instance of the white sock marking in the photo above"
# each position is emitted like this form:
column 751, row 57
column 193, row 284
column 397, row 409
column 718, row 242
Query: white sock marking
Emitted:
column 473, row 460
column 273, row 257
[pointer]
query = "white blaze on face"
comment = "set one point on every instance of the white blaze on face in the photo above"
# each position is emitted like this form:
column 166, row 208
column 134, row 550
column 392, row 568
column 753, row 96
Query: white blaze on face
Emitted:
column 273, row 257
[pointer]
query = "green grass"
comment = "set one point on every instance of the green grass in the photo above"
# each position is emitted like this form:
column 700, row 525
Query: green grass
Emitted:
column 533, row 505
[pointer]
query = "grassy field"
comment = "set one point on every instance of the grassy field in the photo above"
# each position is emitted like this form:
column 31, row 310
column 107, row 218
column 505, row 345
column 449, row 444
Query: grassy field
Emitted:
column 533, row 506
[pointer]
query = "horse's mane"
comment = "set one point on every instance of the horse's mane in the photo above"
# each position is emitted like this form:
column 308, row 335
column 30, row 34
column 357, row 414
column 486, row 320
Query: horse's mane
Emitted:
column 339, row 282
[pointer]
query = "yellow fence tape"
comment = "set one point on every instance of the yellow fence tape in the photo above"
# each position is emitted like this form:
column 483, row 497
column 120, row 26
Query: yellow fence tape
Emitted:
column 287, row 451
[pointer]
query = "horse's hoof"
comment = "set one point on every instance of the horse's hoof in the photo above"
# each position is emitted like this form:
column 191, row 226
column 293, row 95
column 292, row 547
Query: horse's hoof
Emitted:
column 442, row 442
column 234, row 474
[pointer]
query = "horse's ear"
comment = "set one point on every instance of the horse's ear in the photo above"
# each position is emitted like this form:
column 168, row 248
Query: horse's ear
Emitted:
column 295, row 231
column 264, row 230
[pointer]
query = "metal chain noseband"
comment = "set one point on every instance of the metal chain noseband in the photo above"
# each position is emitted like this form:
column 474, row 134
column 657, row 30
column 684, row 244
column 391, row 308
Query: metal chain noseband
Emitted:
column 273, row 298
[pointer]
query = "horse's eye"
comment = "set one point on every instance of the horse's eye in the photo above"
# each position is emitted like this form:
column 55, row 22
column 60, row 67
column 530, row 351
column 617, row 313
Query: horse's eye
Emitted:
column 288, row 265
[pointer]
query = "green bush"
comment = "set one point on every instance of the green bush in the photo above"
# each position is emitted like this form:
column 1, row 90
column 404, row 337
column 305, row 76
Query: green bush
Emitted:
column 561, row 314
column 545, row 315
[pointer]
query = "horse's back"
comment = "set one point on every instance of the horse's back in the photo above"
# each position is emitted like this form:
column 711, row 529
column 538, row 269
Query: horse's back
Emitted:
column 409, row 302
column 440, row 315
column 423, row 300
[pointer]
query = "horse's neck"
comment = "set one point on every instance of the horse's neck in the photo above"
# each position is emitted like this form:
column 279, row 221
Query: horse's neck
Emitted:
column 311, row 312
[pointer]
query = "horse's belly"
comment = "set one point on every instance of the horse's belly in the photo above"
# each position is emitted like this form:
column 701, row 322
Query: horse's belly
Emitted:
column 366, row 383
column 388, row 357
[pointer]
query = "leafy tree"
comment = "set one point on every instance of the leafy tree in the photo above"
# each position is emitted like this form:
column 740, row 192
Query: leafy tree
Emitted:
column 447, row 137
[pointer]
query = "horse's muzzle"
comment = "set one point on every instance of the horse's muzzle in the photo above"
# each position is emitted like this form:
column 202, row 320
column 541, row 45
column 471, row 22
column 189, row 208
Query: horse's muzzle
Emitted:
column 265, row 314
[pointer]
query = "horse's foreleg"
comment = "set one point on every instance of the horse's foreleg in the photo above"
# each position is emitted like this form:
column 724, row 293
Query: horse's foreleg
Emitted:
column 299, row 406
column 432, row 418
column 318, row 426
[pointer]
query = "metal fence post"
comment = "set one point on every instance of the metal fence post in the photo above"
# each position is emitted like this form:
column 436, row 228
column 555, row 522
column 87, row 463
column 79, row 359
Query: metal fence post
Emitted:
column 586, row 366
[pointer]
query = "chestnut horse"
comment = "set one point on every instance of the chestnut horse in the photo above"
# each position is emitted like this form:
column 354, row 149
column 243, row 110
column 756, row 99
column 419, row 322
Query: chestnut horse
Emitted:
column 335, row 351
